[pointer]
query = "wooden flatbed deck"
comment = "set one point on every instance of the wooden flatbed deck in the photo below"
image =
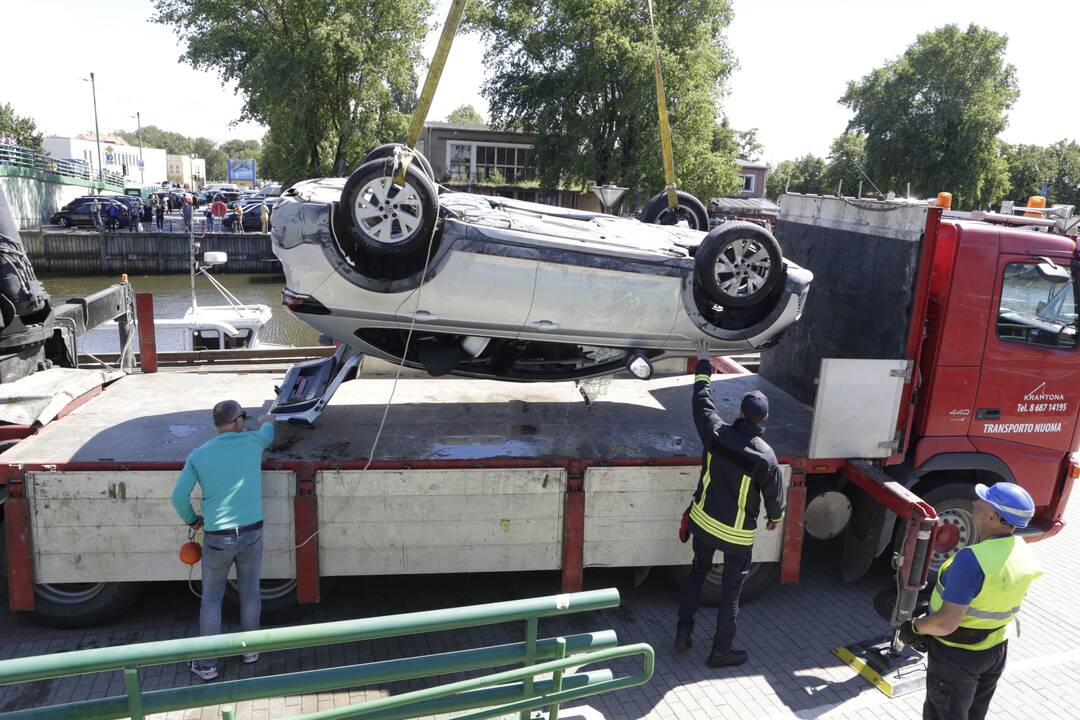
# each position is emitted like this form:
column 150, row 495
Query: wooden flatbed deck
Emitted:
column 162, row 417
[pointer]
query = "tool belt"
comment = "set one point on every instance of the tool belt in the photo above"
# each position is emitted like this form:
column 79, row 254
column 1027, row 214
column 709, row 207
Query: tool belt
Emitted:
column 235, row 530
column 969, row 636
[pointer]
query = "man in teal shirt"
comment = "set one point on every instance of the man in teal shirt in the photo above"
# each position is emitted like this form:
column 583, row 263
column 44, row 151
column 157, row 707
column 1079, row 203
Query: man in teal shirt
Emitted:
column 228, row 468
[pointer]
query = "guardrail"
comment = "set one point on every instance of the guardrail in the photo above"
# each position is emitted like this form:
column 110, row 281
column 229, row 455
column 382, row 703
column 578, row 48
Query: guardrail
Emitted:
column 510, row 691
column 21, row 157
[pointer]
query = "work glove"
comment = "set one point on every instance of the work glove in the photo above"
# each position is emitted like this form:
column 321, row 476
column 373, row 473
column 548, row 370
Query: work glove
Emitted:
column 684, row 527
column 913, row 638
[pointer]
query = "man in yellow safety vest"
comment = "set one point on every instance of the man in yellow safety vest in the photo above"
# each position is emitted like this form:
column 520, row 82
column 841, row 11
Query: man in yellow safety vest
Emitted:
column 977, row 596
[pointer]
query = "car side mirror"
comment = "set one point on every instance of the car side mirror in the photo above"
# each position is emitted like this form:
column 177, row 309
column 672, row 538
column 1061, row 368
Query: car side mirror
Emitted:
column 1053, row 272
column 1040, row 306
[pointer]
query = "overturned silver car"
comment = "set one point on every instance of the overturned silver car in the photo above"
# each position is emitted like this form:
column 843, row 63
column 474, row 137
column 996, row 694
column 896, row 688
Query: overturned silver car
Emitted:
column 491, row 287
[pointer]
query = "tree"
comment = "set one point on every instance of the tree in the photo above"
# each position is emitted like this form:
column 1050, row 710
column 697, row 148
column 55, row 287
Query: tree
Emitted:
column 1033, row 167
column 215, row 158
column 805, row 175
column 744, row 143
column 22, row 129
column 466, row 114
column 932, row 116
column 847, row 156
column 579, row 75
column 331, row 79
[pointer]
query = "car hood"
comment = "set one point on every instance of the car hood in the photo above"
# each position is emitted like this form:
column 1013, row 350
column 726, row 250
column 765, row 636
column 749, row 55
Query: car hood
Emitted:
column 565, row 224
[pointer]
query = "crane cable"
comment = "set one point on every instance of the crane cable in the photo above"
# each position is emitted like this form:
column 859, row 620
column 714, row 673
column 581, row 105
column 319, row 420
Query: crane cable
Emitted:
column 665, row 125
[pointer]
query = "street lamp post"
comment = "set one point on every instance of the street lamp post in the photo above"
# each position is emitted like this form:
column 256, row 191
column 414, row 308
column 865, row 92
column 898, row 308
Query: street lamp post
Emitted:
column 97, row 132
column 142, row 171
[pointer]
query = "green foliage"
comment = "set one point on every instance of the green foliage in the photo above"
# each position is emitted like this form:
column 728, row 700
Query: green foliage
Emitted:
column 744, row 143
column 331, row 79
column 466, row 114
column 932, row 116
column 1057, row 165
column 23, row 129
column 152, row 136
column 805, row 175
column 847, row 154
column 579, row 75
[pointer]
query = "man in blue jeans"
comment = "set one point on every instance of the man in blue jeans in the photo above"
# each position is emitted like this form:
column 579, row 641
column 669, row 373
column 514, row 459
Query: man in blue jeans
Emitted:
column 228, row 468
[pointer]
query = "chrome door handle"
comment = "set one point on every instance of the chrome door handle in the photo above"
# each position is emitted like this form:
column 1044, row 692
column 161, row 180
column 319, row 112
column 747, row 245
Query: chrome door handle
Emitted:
column 544, row 325
column 421, row 315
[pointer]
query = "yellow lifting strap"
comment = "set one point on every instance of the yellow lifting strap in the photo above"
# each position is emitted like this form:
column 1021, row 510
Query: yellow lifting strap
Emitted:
column 665, row 126
column 453, row 19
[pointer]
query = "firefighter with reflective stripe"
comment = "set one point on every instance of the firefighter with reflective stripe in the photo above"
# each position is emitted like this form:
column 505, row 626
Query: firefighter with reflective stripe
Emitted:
column 977, row 596
column 738, row 469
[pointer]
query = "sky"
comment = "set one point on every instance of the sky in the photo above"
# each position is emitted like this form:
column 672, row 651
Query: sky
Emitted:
column 795, row 59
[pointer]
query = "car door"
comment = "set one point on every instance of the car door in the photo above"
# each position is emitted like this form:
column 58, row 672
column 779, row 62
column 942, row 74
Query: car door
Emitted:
column 589, row 295
column 79, row 214
column 1029, row 386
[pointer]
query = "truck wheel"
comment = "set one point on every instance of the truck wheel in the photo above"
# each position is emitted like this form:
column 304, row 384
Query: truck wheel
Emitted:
column 690, row 209
column 953, row 503
column 278, row 596
column 761, row 577
column 387, row 150
column 76, row 605
column 738, row 264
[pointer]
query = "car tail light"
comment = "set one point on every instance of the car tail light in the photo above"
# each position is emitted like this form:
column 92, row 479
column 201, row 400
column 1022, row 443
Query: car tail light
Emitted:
column 1074, row 467
column 303, row 303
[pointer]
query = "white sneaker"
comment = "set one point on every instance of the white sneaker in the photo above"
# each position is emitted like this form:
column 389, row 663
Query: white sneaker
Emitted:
column 250, row 658
column 203, row 673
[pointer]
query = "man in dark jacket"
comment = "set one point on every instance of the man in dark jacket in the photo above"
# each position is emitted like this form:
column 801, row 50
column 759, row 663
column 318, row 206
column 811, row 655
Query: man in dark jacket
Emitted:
column 737, row 469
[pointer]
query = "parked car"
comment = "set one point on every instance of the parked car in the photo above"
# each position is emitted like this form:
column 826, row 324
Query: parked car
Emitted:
column 77, row 213
column 134, row 204
column 252, row 220
column 269, row 190
column 493, row 287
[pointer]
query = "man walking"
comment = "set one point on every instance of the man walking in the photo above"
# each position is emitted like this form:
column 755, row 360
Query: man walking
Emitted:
column 264, row 216
column 185, row 212
column 238, row 217
column 977, row 596
column 228, row 468
column 95, row 214
column 159, row 213
column 737, row 467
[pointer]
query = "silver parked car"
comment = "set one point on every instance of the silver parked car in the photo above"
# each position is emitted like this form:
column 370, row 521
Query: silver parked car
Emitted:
column 491, row 287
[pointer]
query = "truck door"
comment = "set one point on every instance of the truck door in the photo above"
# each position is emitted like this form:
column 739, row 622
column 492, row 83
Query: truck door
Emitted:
column 1029, row 387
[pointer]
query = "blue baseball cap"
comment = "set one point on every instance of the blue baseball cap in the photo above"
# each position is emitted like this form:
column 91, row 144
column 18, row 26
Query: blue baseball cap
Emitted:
column 755, row 406
column 1012, row 502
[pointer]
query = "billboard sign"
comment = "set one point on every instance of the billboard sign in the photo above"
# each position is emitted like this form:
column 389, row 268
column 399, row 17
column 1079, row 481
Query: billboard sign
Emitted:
column 242, row 169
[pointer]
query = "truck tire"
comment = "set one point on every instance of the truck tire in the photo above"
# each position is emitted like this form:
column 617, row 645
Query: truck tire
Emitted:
column 278, row 596
column 761, row 577
column 77, row 605
column 953, row 503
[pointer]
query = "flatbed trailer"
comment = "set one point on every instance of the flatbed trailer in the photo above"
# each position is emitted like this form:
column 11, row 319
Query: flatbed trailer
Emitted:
column 478, row 476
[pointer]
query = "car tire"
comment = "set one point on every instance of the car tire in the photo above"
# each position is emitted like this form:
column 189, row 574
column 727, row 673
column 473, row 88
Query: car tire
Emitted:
column 690, row 209
column 762, row 576
column 738, row 264
column 387, row 150
column 402, row 227
column 63, row 222
column 953, row 503
column 77, row 605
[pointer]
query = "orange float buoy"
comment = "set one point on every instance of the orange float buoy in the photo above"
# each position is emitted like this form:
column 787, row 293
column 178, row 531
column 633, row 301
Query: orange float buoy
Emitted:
column 191, row 551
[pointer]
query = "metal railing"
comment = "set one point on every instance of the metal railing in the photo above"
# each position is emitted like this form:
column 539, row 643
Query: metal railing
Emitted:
column 510, row 691
column 21, row 157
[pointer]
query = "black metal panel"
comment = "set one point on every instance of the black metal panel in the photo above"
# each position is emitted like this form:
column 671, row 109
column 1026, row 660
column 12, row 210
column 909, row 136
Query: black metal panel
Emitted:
column 859, row 306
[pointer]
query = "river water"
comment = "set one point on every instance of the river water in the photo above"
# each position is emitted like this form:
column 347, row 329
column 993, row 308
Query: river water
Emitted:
column 172, row 298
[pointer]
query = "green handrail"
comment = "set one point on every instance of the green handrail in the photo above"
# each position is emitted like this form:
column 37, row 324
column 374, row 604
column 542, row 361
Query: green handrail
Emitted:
column 513, row 690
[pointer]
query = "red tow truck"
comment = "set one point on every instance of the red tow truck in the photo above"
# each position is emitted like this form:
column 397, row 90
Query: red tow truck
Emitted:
column 937, row 350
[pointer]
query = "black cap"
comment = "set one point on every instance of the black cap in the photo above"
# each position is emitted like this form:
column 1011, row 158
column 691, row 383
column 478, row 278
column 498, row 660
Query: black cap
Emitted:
column 755, row 406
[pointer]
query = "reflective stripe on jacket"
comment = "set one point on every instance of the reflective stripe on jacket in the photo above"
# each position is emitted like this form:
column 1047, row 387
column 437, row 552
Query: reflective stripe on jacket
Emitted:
column 1009, row 567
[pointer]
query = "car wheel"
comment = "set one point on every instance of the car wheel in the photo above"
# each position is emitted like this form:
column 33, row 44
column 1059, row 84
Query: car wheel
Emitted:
column 389, row 220
column 64, row 222
column 387, row 150
column 738, row 264
column 761, row 577
column 74, row 605
column 953, row 504
column 690, row 209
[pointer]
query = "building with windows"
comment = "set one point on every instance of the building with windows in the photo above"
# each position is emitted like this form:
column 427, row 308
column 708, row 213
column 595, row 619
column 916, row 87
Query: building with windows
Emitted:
column 187, row 171
column 753, row 178
column 491, row 162
column 116, row 155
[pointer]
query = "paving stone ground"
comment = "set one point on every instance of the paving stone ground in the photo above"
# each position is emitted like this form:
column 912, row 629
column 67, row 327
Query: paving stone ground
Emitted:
column 790, row 633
